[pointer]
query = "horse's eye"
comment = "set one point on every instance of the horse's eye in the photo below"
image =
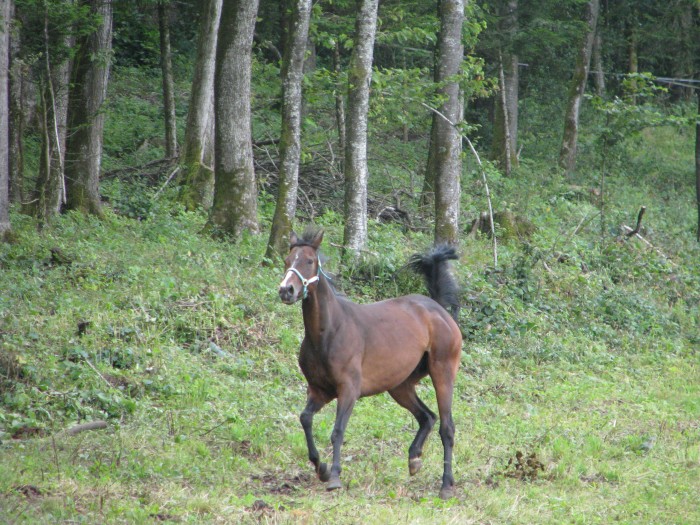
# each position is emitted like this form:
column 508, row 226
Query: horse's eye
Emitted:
column 309, row 261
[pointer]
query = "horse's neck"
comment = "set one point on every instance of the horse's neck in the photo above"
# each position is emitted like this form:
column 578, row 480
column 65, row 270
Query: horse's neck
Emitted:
column 318, row 310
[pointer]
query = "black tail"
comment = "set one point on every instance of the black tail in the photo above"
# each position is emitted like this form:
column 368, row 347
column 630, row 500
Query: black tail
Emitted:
column 442, row 286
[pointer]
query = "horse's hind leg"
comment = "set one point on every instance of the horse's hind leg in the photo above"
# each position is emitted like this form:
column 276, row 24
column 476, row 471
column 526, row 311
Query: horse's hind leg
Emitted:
column 405, row 395
column 443, row 372
column 314, row 403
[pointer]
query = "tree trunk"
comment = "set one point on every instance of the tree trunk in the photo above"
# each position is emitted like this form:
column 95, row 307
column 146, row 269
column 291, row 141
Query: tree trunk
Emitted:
column 18, row 120
column 166, row 67
column 50, row 193
column 235, row 193
column 290, row 139
column 427, row 196
column 356, row 171
column 697, row 164
column 502, row 140
column 448, row 141
column 6, row 14
column 683, row 66
column 567, row 154
column 198, row 179
column 85, row 117
column 339, row 104
column 597, row 65
column 506, row 107
column 633, row 55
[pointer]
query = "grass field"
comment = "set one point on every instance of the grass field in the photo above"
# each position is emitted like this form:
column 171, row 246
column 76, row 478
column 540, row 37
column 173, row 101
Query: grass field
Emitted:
column 577, row 400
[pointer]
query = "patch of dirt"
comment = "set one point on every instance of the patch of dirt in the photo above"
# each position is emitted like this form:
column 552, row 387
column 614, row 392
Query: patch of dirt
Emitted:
column 594, row 478
column 29, row 491
column 275, row 484
column 263, row 507
column 243, row 448
column 27, row 432
column 164, row 517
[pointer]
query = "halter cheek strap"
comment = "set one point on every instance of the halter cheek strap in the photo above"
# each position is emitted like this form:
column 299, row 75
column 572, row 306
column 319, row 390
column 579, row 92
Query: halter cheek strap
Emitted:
column 304, row 282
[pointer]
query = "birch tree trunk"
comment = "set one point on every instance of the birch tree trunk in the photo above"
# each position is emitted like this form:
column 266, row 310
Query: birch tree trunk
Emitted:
column 597, row 63
column 198, row 179
column 356, row 171
column 50, row 189
column 567, row 153
column 235, row 193
column 6, row 13
column 448, row 141
column 166, row 67
column 290, row 139
column 427, row 196
column 85, row 117
column 339, row 104
column 505, row 120
column 18, row 119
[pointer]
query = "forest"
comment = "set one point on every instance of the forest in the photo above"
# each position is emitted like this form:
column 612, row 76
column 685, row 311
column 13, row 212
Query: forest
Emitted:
column 158, row 160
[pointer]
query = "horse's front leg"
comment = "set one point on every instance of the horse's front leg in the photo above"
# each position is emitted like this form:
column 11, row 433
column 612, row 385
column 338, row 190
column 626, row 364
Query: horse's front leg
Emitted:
column 346, row 402
column 314, row 403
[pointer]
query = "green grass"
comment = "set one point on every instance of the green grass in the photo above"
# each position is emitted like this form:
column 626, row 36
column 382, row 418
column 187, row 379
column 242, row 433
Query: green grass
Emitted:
column 580, row 354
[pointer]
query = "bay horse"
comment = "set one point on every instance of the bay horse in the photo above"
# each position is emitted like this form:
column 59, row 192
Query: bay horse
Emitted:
column 353, row 350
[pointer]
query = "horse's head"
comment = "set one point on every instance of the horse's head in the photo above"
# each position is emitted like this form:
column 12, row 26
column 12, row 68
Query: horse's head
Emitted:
column 301, row 267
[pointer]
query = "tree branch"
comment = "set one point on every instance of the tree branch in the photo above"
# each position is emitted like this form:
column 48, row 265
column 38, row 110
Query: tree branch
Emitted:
column 483, row 175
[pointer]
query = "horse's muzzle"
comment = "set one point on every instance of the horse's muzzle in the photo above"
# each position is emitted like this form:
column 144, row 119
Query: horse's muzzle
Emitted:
column 288, row 294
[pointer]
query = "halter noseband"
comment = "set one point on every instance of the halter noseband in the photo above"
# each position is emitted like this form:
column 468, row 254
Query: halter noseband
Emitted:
column 306, row 282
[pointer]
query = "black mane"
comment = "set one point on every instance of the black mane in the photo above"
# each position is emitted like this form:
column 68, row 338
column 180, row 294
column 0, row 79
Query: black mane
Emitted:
column 308, row 236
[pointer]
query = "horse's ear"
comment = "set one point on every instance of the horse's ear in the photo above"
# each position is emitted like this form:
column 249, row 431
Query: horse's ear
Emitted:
column 293, row 239
column 316, row 241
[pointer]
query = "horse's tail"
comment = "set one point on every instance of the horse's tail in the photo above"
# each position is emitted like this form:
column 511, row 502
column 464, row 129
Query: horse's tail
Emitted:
column 434, row 266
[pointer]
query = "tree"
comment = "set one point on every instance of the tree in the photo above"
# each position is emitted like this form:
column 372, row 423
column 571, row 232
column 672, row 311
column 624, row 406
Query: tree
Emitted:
column 597, row 62
column 567, row 154
column 290, row 136
column 50, row 191
column 166, row 67
column 198, row 179
column 697, row 163
column 505, row 121
column 446, row 142
column 18, row 94
column 235, row 194
column 6, row 12
column 85, row 117
column 356, row 171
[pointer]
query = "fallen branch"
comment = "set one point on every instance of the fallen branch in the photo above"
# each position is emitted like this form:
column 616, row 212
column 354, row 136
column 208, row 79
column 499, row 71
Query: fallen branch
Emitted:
column 170, row 177
column 638, row 227
column 109, row 385
column 629, row 232
column 84, row 427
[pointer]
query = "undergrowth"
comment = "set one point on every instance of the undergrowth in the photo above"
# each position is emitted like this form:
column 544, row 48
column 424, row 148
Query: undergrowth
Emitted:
column 576, row 399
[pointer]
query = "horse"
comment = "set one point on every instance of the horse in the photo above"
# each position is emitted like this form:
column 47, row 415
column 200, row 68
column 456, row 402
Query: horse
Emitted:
column 354, row 350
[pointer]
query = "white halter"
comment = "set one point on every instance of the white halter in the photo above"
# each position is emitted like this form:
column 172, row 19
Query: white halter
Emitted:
column 304, row 282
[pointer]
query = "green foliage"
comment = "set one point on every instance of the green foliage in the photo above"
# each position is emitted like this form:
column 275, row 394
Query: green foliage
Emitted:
column 627, row 116
column 577, row 395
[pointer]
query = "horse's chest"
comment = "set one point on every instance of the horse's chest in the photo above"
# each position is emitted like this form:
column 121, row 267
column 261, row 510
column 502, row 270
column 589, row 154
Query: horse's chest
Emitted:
column 316, row 369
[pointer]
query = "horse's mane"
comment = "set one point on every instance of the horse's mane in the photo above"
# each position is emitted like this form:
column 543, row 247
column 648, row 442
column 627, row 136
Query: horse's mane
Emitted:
column 308, row 236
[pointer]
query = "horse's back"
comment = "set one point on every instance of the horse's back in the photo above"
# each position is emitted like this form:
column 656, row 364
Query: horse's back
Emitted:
column 397, row 333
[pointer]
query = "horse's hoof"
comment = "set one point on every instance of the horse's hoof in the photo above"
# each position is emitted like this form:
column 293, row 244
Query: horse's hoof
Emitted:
column 414, row 465
column 447, row 493
column 324, row 474
column 334, row 484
